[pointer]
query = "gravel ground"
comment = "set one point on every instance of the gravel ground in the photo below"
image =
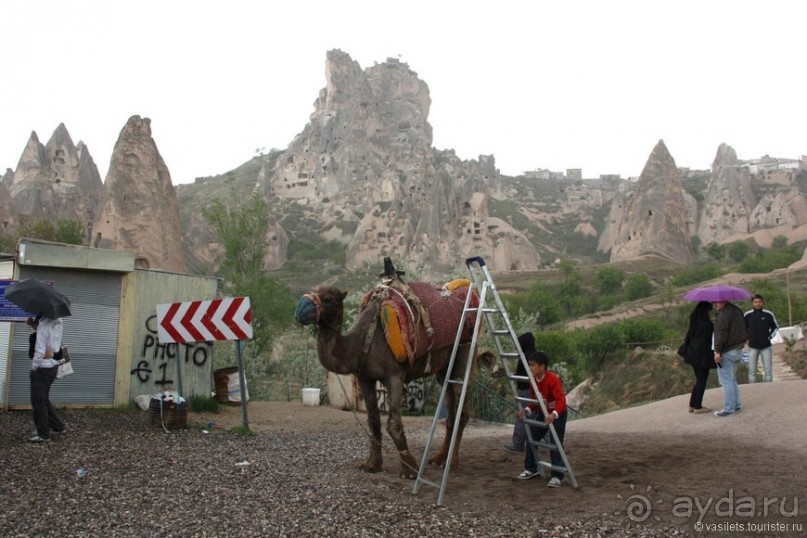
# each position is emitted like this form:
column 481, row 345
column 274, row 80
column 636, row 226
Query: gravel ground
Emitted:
column 297, row 480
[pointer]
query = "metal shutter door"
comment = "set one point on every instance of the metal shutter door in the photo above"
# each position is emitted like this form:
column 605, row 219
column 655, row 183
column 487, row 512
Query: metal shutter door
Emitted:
column 91, row 333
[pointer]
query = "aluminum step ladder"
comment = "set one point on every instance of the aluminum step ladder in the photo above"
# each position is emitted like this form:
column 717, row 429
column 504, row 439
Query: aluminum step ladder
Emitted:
column 498, row 325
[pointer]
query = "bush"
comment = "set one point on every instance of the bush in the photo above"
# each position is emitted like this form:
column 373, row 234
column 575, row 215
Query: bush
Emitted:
column 694, row 275
column 609, row 280
column 643, row 330
column 204, row 404
column 738, row 250
column 766, row 261
column 638, row 287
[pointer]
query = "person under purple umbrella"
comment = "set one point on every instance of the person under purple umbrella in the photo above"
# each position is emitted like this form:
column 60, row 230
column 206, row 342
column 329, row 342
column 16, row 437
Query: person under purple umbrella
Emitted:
column 697, row 352
column 729, row 340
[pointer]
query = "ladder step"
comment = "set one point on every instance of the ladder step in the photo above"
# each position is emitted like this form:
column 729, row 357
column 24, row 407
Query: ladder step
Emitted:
column 534, row 422
column 484, row 310
column 509, row 355
column 457, row 381
column 515, row 377
column 432, row 484
column 501, row 332
column 548, row 446
column 558, row 468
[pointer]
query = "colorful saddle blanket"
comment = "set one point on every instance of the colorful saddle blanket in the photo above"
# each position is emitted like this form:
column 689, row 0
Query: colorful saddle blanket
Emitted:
column 419, row 316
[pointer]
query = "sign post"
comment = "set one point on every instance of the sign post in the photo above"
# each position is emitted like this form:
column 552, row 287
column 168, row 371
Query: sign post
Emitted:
column 206, row 321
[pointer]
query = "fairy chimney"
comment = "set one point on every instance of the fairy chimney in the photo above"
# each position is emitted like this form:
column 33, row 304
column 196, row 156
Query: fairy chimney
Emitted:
column 141, row 212
column 728, row 201
column 58, row 179
column 655, row 218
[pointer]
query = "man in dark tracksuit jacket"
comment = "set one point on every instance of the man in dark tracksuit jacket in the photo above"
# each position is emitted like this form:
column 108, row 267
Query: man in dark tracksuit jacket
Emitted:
column 761, row 327
column 730, row 337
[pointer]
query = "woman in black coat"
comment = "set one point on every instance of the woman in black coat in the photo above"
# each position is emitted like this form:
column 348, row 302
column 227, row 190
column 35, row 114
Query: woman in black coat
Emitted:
column 699, row 353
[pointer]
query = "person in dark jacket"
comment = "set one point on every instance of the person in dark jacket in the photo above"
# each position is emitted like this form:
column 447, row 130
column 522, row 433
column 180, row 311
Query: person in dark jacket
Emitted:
column 730, row 338
column 761, row 327
column 699, row 354
column 519, row 441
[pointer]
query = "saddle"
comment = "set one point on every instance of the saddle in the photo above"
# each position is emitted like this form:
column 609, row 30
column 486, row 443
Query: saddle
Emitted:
column 419, row 316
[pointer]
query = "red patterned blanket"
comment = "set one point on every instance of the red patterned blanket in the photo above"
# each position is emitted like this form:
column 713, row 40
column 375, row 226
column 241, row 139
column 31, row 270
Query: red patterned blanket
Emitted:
column 410, row 331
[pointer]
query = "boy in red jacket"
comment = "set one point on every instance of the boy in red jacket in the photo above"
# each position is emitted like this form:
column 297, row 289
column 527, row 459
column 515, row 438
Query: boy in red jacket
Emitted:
column 551, row 389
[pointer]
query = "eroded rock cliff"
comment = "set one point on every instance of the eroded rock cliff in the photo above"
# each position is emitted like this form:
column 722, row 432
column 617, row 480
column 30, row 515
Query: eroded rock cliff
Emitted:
column 141, row 212
column 58, row 179
column 366, row 156
column 655, row 219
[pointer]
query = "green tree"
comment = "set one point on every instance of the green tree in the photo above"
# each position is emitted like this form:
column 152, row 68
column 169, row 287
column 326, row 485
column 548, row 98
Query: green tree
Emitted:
column 37, row 228
column 544, row 304
column 69, row 231
column 698, row 273
column 609, row 280
column 638, row 287
column 242, row 229
column 642, row 330
column 737, row 251
column 571, row 288
column 8, row 244
column 780, row 241
column 715, row 250
column 597, row 343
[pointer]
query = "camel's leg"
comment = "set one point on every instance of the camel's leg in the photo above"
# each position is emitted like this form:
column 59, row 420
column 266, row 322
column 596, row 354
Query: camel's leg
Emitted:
column 367, row 389
column 452, row 399
column 409, row 466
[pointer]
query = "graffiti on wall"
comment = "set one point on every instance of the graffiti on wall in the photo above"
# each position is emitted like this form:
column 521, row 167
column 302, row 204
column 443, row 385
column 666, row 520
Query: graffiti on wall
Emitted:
column 155, row 357
column 414, row 396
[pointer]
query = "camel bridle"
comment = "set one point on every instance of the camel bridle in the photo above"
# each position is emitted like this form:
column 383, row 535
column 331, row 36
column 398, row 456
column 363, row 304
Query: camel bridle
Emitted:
column 323, row 306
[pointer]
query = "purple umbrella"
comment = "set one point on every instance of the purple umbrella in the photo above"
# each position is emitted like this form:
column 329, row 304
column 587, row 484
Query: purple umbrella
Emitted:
column 718, row 293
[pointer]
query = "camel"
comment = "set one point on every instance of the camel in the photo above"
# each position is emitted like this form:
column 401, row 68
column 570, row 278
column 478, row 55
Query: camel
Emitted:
column 369, row 358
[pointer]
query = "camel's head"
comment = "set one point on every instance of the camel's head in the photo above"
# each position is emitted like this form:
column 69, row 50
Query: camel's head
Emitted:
column 323, row 306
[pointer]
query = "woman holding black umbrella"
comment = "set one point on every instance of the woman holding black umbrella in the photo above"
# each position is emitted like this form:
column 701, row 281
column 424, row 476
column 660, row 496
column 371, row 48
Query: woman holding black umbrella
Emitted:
column 44, row 366
column 33, row 295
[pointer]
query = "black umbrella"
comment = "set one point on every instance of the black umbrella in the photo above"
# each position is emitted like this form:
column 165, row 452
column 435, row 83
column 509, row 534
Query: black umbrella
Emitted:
column 35, row 296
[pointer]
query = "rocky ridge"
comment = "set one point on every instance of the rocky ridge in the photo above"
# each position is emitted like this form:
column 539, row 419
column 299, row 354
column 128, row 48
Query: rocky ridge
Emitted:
column 363, row 177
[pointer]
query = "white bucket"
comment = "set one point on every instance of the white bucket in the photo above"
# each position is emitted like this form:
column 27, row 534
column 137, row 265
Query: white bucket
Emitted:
column 311, row 396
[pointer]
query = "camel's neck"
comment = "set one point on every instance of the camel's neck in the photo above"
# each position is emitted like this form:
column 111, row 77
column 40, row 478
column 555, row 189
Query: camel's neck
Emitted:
column 340, row 353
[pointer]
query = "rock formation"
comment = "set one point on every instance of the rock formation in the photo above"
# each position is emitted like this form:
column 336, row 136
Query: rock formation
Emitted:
column 141, row 213
column 58, row 179
column 8, row 212
column 655, row 219
column 8, row 179
column 728, row 200
column 366, row 156
column 363, row 175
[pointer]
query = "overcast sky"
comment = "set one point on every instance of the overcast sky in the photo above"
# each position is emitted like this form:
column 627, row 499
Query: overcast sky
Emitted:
column 538, row 84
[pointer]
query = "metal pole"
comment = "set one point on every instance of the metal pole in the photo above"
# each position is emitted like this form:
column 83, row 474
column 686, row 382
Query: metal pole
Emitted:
column 179, row 374
column 242, row 380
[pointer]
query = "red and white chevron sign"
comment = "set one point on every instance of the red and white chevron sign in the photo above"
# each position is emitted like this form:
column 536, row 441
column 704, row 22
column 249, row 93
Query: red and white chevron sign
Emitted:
column 205, row 321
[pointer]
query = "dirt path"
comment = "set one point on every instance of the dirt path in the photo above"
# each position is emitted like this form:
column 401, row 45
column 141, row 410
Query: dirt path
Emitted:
column 657, row 454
